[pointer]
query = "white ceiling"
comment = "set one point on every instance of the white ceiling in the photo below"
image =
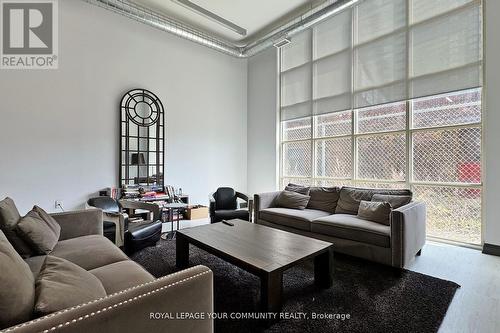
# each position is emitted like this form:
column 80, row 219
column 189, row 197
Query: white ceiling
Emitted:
column 256, row 16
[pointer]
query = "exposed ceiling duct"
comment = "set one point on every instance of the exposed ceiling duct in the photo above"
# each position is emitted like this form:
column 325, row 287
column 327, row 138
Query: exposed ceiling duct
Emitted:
column 162, row 22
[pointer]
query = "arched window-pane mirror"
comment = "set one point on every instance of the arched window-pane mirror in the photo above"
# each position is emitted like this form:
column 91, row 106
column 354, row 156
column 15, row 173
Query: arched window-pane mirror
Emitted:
column 141, row 139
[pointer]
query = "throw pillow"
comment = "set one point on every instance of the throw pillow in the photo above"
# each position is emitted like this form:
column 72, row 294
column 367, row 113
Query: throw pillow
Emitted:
column 297, row 188
column 9, row 218
column 396, row 201
column 294, row 200
column 350, row 197
column 34, row 231
column 49, row 220
column 374, row 211
column 17, row 291
column 324, row 198
column 62, row 284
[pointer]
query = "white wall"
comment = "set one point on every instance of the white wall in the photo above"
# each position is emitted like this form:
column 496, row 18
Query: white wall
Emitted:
column 59, row 129
column 262, row 96
column 491, row 194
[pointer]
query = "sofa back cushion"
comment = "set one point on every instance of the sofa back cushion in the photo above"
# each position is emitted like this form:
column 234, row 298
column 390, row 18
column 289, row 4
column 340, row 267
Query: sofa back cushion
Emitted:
column 17, row 286
column 49, row 220
column 375, row 211
column 395, row 201
column 37, row 233
column 9, row 218
column 297, row 188
column 293, row 200
column 62, row 284
column 324, row 198
column 350, row 197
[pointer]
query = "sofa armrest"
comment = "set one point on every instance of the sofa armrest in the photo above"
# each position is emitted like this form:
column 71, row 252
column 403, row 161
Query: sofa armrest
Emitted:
column 145, row 308
column 264, row 200
column 407, row 232
column 79, row 223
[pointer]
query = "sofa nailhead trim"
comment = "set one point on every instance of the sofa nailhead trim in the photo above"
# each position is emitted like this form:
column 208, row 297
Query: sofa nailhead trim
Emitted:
column 106, row 297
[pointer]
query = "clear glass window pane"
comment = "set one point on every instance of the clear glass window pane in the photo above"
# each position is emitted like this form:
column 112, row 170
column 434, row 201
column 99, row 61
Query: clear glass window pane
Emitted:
column 382, row 157
column 296, row 129
column 449, row 109
column 297, row 159
column 334, row 158
column 333, row 124
column 382, row 118
column 452, row 156
column 381, row 185
column 452, row 213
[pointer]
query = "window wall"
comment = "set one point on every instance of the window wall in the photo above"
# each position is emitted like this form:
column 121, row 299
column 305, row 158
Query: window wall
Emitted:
column 388, row 94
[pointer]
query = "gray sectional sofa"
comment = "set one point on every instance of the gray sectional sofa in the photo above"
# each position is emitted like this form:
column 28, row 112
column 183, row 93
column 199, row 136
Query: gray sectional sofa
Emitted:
column 332, row 215
column 43, row 293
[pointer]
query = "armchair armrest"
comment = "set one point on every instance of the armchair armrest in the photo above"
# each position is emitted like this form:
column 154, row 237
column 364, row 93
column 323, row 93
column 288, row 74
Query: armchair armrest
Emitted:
column 143, row 308
column 407, row 232
column 132, row 205
column 243, row 197
column 264, row 200
column 211, row 199
column 121, row 221
column 79, row 223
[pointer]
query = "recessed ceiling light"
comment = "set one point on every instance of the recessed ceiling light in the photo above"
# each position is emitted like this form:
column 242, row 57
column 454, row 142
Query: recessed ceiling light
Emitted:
column 212, row 16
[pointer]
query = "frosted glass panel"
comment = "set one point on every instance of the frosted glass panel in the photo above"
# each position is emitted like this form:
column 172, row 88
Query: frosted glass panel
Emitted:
column 298, row 52
column 424, row 9
column 296, row 86
column 446, row 43
column 332, row 75
column 333, row 35
column 376, row 18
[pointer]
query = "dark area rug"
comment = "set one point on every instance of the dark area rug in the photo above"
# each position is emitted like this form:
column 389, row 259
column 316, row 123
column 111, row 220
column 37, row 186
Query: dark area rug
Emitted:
column 376, row 298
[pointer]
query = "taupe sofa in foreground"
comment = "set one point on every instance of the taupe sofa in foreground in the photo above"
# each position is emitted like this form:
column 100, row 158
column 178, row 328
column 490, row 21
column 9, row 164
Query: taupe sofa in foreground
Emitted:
column 133, row 299
column 395, row 244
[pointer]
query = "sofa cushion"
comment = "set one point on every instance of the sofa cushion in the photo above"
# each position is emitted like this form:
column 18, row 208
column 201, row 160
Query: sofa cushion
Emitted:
column 36, row 264
column 395, row 201
column 121, row 275
column 231, row 214
column 62, row 284
column 297, row 188
column 351, row 227
column 298, row 219
column 324, row 198
column 35, row 232
column 89, row 252
column 350, row 197
column 374, row 211
column 49, row 220
column 293, row 200
column 9, row 217
column 17, row 286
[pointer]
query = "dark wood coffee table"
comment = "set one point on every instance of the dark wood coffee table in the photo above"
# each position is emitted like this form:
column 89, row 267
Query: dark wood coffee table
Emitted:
column 263, row 251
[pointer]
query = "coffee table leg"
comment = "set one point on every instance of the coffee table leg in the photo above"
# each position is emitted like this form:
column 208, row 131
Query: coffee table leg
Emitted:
column 323, row 269
column 181, row 252
column 271, row 289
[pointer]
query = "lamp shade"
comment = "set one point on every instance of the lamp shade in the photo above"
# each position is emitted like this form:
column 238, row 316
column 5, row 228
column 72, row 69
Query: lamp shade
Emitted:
column 137, row 159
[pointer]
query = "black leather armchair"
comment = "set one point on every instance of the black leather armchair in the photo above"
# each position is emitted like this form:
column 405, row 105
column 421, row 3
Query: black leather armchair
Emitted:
column 132, row 236
column 224, row 205
column 115, row 222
